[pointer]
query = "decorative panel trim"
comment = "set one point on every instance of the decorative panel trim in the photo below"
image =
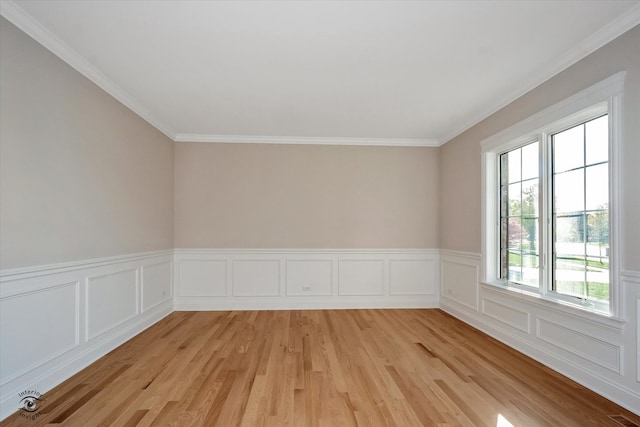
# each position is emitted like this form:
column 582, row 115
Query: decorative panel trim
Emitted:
column 60, row 364
column 292, row 276
column 322, row 279
column 630, row 276
column 246, row 279
column 614, row 324
column 143, row 279
column 423, row 284
column 602, row 380
column 117, row 322
column 615, row 367
column 466, row 260
column 524, row 327
column 347, row 269
column 223, row 278
column 601, row 353
column 75, row 332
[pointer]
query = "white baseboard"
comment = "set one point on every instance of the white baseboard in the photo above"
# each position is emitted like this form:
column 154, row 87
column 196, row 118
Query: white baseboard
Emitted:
column 314, row 303
column 69, row 315
column 217, row 279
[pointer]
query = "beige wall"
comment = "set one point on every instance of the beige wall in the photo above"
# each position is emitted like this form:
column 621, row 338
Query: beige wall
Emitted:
column 81, row 176
column 305, row 196
column 460, row 174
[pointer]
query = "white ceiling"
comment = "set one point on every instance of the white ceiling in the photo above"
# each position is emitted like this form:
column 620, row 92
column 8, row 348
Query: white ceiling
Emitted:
column 378, row 72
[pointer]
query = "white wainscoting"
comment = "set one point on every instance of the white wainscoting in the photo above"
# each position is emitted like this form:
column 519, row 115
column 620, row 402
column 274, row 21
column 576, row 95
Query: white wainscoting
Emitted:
column 212, row 279
column 460, row 273
column 601, row 353
column 57, row 319
column 631, row 283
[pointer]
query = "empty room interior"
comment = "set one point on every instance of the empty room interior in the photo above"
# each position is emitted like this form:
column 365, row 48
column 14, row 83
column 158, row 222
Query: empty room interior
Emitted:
column 320, row 213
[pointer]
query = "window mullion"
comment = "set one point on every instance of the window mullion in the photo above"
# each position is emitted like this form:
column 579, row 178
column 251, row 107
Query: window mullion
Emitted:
column 585, row 216
column 545, row 219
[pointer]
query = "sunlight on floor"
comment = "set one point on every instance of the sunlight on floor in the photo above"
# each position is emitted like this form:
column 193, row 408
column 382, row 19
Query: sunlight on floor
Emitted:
column 503, row 422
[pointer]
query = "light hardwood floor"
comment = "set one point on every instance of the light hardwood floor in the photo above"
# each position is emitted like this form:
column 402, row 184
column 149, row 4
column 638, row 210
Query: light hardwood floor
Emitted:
column 320, row 368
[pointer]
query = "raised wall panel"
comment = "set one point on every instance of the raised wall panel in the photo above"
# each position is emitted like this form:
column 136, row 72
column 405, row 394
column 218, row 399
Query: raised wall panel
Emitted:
column 638, row 340
column 460, row 281
column 37, row 327
column 49, row 313
column 584, row 346
column 112, row 299
column 256, row 278
column 412, row 277
column 506, row 314
column 308, row 277
column 361, row 277
column 203, row 278
column 156, row 284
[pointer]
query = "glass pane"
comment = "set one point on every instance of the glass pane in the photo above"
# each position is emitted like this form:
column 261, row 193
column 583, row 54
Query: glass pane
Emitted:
column 597, row 193
column 597, row 140
column 530, row 197
column 530, row 161
column 515, row 266
column 597, row 284
column 569, row 287
column 598, row 230
column 569, row 235
column 530, row 261
column 514, row 199
column 530, row 272
column 568, row 149
column 530, row 235
column 515, row 274
column 568, row 191
column 569, row 275
column 514, row 165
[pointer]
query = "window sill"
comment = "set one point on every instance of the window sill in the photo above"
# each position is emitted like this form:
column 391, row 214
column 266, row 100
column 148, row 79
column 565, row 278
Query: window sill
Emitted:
column 564, row 307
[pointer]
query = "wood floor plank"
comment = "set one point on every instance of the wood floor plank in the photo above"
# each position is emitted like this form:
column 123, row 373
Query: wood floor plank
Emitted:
column 319, row 368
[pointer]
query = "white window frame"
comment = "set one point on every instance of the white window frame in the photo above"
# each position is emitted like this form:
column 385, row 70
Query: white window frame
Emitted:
column 604, row 97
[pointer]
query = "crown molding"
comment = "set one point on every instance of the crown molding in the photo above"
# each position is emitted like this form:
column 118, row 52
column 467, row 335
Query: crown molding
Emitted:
column 307, row 140
column 25, row 22
column 595, row 41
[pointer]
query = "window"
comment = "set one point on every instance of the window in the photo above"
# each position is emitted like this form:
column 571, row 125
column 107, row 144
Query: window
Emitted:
column 519, row 242
column 580, row 223
column 549, row 223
